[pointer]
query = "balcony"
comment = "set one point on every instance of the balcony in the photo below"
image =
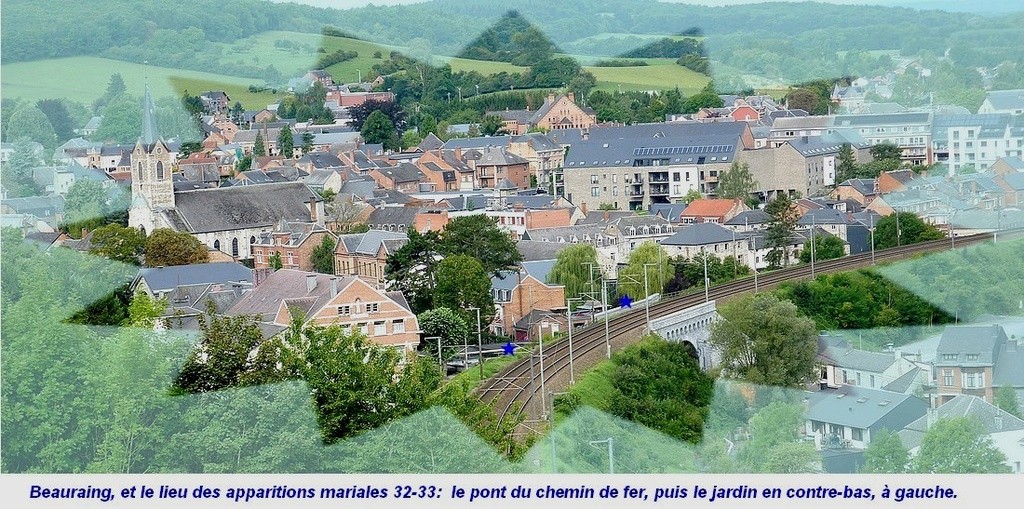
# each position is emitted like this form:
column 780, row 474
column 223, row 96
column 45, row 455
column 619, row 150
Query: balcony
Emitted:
column 658, row 179
column 659, row 190
column 635, row 192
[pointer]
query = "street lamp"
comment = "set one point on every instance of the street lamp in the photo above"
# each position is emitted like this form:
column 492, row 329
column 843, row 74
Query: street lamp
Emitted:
column 611, row 452
column 479, row 345
column 568, row 316
column 647, row 295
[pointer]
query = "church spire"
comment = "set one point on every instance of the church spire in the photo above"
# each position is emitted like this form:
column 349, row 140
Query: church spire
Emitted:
column 149, row 135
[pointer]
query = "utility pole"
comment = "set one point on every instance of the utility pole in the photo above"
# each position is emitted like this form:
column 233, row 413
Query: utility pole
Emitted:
column 568, row 316
column 707, row 280
column 611, row 452
column 607, row 317
column 479, row 345
column 872, row 239
column 813, row 234
column 647, row 298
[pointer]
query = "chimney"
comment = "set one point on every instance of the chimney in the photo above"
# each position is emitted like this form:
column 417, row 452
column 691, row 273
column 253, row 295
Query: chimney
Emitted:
column 551, row 97
column 458, row 153
column 312, row 209
column 310, row 282
column 930, row 419
column 583, row 207
column 572, row 97
column 334, row 287
column 607, row 214
column 999, row 422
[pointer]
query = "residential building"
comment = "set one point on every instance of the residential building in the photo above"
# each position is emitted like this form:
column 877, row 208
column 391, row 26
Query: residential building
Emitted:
column 717, row 211
column 349, row 302
column 294, row 242
column 991, row 421
column 557, row 112
column 966, row 360
column 366, row 254
column 804, row 165
column 159, row 282
column 975, row 142
column 841, row 364
column 633, row 167
column 911, row 131
column 850, row 417
column 518, row 292
column 862, row 191
column 710, row 238
column 1003, row 101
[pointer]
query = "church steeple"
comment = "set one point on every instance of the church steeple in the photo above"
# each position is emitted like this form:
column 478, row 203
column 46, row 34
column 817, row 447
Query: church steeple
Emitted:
column 149, row 135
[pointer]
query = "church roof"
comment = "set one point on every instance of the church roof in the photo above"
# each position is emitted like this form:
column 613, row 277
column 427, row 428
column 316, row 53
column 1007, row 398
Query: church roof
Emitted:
column 149, row 135
column 237, row 207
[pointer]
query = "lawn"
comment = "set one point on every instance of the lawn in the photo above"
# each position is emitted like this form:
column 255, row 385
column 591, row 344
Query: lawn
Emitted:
column 85, row 79
column 593, row 389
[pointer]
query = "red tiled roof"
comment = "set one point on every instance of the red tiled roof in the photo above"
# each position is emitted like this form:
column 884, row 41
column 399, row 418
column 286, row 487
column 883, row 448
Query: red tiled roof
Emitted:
column 709, row 207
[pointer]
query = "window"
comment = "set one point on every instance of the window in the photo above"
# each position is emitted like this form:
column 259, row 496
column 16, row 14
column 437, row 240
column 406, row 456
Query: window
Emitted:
column 140, row 171
column 252, row 240
column 216, row 245
column 345, row 310
column 593, row 179
column 398, row 326
column 949, row 356
column 373, row 307
column 972, row 356
column 159, row 170
column 234, row 247
column 291, row 258
column 817, row 426
column 595, row 191
column 858, row 434
column 363, row 328
column 846, row 377
column 947, row 378
column 858, row 379
column 872, row 379
column 379, row 329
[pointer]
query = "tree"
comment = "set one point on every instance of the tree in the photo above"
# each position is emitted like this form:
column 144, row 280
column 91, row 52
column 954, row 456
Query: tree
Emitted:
column 410, row 269
column 307, row 142
column 1006, row 399
column 479, row 236
column 736, row 182
column 846, row 168
column 689, row 273
column 377, row 128
column 221, row 356
column 803, row 99
column 323, row 256
column 765, row 340
column 774, row 446
column 391, row 109
column 428, row 124
column 259, row 148
column 691, row 195
column 826, row 247
column 658, row 271
column 577, row 269
column 462, row 282
column 115, row 87
column 28, row 121
column 957, row 445
column 903, row 228
column 491, row 125
column 695, row 103
column 886, row 151
column 660, row 385
column 122, row 121
column 145, row 311
column 782, row 218
column 274, row 261
column 443, row 323
column 118, row 243
column 285, row 142
column 56, row 112
column 166, row 247
column 886, row 454
column 17, row 171
column 86, row 200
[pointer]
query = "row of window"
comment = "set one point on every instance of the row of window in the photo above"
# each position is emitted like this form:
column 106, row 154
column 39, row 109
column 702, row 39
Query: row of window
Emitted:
column 358, row 308
column 234, row 245
column 379, row 327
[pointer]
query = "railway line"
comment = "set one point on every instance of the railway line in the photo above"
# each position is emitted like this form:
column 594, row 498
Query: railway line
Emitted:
column 520, row 388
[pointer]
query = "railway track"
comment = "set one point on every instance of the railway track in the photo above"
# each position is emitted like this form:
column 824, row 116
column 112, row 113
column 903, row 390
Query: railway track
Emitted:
column 518, row 387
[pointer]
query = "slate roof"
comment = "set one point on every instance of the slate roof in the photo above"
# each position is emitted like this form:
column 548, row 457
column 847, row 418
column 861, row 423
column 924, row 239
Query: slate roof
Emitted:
column 498, row 156
column 565, row 234
column 679, row 143
column 533, row 250
column 1009, row 368
column 236, row 207
column 898, row 119
column 167, row 278
column 860, row 407
column 604, row 216
column 962, row 405
column 824, row 216
column 963, row 340
column 393, row 215
column 904, row 382
column 371, row 241
column 403, row 172
column 756, row 216
column 671, row 211
column 321, row 160
column 430, row 142
column 700, row 234
column 539, row 269
column 863, row 186
column 1006, row 99
column 284, row 284
column 478, row 142
column 1015, row 181
column 862, row 360
column 540, row 142
column 39, row 206
column 363, row 188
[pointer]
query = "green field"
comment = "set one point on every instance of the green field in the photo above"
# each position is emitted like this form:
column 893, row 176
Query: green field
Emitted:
column 604, row 36
column 649, row 77
column 85, row 79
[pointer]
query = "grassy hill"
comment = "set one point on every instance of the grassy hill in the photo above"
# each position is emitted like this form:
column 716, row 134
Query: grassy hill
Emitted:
column 660, row 74
column 85, row 79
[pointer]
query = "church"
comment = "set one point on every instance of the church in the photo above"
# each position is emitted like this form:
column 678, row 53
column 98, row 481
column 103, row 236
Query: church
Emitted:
column 228, row 219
